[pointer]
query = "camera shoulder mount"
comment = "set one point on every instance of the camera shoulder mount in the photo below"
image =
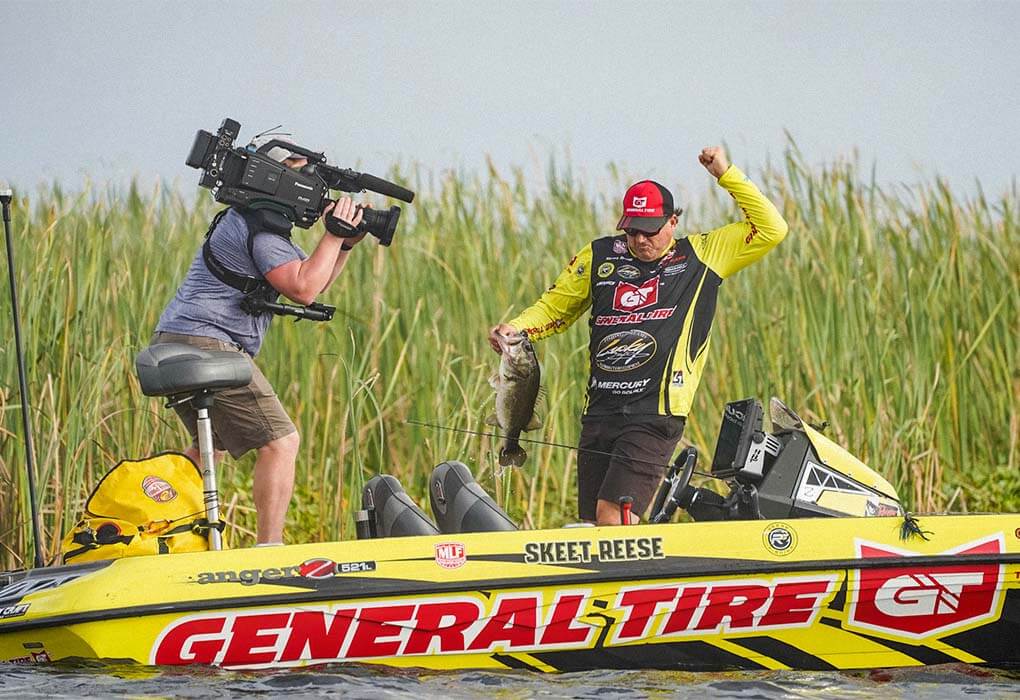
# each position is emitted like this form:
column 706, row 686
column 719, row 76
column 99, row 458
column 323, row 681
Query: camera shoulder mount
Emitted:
column 260, row 296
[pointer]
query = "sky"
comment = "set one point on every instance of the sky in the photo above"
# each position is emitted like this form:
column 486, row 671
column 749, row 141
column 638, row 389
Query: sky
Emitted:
column 107, row 91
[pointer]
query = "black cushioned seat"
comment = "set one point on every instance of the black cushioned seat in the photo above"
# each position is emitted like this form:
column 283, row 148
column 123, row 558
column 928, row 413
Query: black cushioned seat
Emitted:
column 166, row 369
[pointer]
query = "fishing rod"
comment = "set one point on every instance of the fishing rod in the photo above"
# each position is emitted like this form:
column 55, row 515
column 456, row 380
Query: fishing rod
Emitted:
column 543, row 442
column 5, row 199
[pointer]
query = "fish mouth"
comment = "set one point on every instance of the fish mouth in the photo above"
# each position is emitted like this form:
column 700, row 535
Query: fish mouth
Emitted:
column 511, row 341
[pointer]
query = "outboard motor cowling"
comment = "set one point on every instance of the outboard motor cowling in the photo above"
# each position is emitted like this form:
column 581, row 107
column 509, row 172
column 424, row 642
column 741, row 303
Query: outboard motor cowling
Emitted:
column 459, row 504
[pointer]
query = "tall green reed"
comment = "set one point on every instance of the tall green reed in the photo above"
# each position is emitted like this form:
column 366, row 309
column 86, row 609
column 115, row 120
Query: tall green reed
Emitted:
column 890, row 312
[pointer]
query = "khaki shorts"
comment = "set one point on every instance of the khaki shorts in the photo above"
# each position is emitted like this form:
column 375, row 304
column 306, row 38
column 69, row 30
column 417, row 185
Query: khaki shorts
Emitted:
column 243, row 419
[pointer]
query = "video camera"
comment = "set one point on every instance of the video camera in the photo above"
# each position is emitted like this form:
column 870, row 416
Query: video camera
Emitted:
column 249, row 178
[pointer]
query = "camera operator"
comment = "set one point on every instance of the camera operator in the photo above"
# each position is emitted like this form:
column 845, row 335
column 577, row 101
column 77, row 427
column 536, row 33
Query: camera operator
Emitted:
column 208, row 313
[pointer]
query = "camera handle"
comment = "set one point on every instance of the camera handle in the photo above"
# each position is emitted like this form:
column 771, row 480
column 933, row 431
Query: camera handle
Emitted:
column 313, row 312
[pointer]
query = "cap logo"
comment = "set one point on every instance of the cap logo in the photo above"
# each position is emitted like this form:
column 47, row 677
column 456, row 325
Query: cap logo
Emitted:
column 640, row 202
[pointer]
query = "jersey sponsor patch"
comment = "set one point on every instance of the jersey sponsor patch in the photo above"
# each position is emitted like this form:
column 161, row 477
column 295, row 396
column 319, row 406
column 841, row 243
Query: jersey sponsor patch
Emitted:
column 628, row 272
column 619, row 247
column 639, row 317
column 632, row 298
column 621, row 388
column 624, row 351
column 606, row 269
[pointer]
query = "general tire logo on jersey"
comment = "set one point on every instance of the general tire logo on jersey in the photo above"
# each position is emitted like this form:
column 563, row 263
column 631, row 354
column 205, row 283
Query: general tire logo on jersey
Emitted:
column 639, row 317
column 921, row 601
column 624, row 351
column 629, row 298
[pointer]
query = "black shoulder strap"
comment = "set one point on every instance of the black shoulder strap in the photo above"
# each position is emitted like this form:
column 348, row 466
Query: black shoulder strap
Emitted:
column 246, row 284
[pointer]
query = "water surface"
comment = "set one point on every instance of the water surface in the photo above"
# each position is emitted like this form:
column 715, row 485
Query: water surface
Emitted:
column 106, row 680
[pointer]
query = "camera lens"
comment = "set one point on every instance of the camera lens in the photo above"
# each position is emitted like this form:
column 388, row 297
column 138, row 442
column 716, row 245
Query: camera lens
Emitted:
column 381, row 224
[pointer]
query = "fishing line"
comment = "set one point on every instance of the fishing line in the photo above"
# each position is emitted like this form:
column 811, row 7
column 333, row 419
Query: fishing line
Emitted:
column 543, row 442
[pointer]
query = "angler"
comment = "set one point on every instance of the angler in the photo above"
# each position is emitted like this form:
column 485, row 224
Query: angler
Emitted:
column 652, row 300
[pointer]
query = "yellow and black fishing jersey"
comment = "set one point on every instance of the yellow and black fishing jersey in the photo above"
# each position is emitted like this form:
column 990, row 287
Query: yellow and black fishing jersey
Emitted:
column 651, row 321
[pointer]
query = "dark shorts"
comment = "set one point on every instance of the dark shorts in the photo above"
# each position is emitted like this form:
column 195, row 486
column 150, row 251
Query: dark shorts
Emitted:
column 243, row 419
column 638, row 449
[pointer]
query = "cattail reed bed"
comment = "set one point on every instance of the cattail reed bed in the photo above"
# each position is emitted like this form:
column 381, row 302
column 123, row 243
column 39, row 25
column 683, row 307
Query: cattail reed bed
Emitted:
column 892, row 313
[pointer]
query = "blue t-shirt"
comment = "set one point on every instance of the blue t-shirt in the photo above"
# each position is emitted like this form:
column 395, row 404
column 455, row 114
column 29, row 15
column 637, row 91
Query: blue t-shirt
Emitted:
column 206, row 307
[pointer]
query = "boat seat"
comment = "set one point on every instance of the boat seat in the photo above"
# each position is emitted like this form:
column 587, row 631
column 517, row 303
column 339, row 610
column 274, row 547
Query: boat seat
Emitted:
column 395, row 514
column 460, row 504
column 168, row 369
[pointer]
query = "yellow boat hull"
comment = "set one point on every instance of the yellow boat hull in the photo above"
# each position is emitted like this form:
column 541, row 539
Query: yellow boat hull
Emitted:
column 839, row 593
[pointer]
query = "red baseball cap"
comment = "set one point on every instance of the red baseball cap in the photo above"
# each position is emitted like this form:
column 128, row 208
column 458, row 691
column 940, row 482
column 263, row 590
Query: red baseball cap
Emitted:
column 647, row 206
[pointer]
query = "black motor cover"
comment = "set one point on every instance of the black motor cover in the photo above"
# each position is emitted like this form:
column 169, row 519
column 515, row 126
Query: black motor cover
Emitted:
column 395, row 514
column 459, row 504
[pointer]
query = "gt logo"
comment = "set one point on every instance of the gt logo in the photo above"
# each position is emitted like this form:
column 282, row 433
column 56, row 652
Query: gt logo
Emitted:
column 631, row 298
column 924, row 594
column 640, row 202
column 919, row 601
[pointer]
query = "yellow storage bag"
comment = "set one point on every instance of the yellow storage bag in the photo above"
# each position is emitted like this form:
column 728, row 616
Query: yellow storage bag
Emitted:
column 149, row 506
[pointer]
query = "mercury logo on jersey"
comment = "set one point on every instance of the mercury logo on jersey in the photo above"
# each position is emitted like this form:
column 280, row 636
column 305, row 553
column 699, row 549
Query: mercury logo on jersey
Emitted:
column 620, row 388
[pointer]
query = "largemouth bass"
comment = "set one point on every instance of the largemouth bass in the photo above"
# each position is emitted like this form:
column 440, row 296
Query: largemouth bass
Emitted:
column 516, row 383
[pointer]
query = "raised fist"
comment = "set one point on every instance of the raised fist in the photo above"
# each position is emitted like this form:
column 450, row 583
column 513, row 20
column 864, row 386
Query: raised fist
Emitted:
column 714, row 160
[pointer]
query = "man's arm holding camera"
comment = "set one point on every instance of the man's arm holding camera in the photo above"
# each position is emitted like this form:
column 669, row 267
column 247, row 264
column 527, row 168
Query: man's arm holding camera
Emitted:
column 345, row 249
column 303, row 280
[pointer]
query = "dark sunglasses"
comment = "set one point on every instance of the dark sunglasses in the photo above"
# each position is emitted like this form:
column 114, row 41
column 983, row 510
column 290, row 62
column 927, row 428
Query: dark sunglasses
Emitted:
column 637, row 232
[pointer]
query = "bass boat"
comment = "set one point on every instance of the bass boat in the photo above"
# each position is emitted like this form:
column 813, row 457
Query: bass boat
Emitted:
column 807, row 562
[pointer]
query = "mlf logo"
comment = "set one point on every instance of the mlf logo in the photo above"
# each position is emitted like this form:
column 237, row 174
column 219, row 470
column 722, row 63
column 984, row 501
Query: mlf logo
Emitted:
column 631, row 298
column 920, row 601
column 450, row 555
